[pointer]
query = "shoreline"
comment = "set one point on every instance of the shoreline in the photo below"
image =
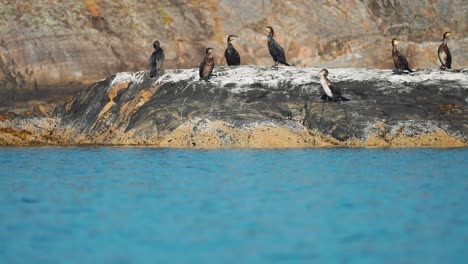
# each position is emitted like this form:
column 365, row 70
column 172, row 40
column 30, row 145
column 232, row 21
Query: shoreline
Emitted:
column 263, row 137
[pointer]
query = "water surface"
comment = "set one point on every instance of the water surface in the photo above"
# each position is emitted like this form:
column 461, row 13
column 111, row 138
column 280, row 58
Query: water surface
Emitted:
column 139, row 205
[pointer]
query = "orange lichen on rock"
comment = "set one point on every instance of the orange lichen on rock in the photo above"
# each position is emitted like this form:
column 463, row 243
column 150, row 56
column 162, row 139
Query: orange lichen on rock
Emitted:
column 215, row 134
column 436, row 139
column 33, row 131
column 28, row 112
column 113, row 92
column 5, row 116
column 21, row 135
column 128, row 108
column 374, row 142
column 92, row 7
column 143, row 96
column 70, row 101
column 218, row 134
column 452, row 108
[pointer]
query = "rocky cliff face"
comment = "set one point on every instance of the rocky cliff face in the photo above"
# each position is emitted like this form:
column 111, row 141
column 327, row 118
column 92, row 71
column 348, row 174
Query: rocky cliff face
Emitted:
column 250, row 106
column 51, row 48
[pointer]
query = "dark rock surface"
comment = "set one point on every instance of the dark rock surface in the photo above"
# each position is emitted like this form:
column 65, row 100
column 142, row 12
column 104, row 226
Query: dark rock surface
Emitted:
column 53, row 48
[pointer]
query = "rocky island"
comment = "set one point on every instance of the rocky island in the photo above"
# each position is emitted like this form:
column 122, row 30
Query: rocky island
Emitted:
column 251, row 106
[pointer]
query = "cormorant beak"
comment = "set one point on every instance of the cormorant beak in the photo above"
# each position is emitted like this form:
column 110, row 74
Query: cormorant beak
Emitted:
column 267, row 29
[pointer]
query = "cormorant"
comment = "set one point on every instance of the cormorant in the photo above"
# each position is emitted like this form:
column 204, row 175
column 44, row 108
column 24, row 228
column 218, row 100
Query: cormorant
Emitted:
column 401, row 64
column 276, row 51
column 445, row 56
column 207, row 65
column 231, row 54
column 156, row 60
column 331, row 92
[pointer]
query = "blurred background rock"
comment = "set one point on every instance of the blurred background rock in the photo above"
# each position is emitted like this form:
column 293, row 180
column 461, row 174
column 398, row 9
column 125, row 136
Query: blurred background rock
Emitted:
column 51, row 48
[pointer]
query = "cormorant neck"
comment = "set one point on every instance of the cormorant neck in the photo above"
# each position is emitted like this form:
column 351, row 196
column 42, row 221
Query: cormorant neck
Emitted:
column 444, row 40
column 271, row 35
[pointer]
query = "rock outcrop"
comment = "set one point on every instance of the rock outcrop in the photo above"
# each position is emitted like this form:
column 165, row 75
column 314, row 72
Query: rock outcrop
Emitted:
column 53, row 48
column 250, row 106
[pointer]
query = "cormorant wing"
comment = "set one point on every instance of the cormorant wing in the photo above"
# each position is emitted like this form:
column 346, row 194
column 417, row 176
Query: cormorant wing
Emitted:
column 276, row 51
column 152, row 60
column 226, row 55
column 160, row 58
column 396, row 58
column 448, row 61
column 152, row 65
column 202, row 66
column 403, row 62
column 333, row 88
column 208, row 69
column 232, row 56
column 236, row 57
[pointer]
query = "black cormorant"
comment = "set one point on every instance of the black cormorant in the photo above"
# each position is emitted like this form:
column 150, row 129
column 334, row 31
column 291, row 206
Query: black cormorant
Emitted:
column 445, row 56
column 207, row 65
column 231, row 54
column 156, row 60
column 276, row 51
column 401, row 64
column 331, row 92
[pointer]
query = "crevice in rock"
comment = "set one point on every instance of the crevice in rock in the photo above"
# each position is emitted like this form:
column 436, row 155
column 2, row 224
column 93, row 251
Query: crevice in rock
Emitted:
column 258, row 97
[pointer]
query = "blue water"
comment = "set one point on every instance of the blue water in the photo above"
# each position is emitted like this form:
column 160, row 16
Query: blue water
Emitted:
column 140, row 205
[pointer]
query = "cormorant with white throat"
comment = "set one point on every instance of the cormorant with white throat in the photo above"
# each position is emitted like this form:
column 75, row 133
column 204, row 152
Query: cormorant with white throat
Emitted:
column 331, row 92
column 445, row 56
